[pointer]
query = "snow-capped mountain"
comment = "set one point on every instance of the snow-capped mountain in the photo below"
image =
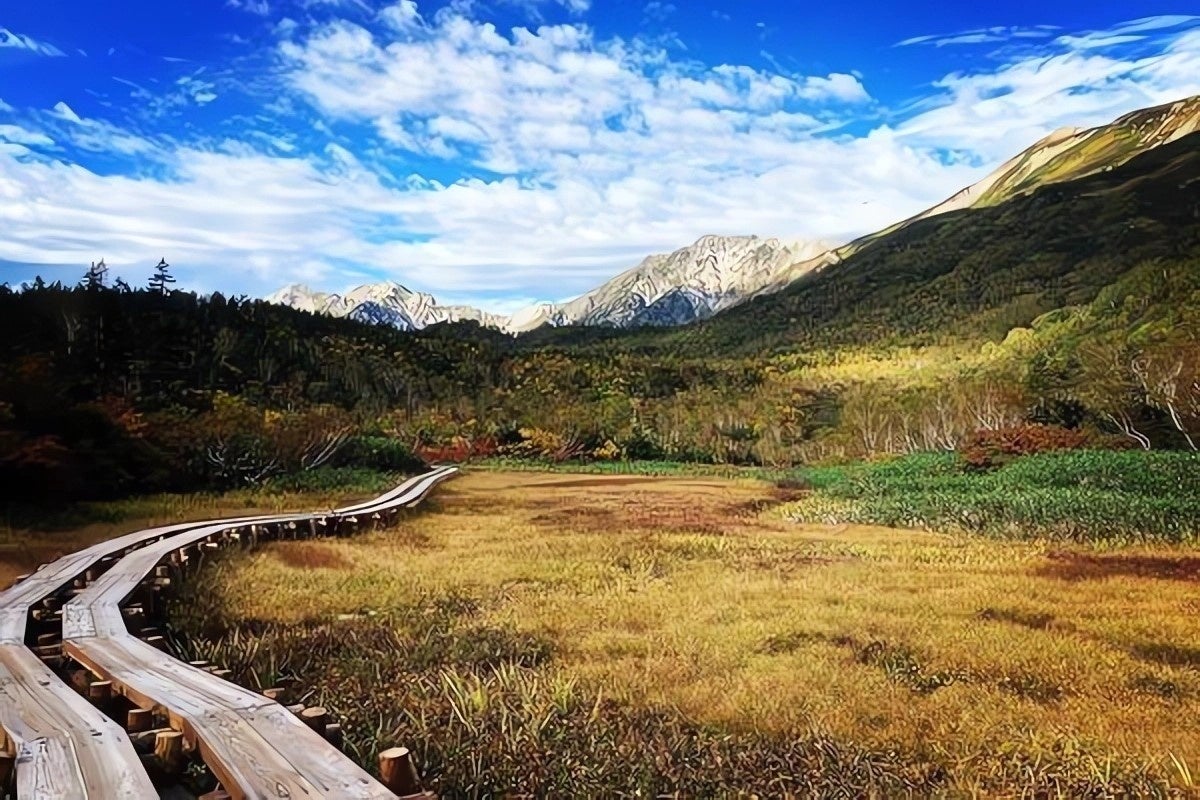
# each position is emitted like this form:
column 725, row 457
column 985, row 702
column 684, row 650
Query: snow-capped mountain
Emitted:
column 386, row 303
column 721, row 271
column 671, row 289
column 692, row 283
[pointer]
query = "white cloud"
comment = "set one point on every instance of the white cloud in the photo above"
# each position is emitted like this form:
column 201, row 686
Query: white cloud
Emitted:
column 994, row 115
column 1158, row 23
column 5, row 107
column 11, row 39
column 15, row 134
column 96, row 135
column 402, row 16
column 259, row 7
column 999, row 33
column 549, row 99
column 359, row 4
column 64, row 111
column 658, row 11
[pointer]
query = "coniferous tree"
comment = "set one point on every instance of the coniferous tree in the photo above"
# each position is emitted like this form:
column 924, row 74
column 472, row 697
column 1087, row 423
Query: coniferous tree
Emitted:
column 162, row 277
column 95, row 276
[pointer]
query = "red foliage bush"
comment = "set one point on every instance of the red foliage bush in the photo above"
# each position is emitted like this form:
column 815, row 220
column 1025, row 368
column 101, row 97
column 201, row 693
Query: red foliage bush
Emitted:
column 459, row 449
column 990, row 448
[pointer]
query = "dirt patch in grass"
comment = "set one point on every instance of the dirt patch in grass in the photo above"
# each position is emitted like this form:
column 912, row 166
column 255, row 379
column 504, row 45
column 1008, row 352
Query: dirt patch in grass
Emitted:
column 649, row 513
column 1073, row 566
column 1171, row 655
column 597, row 481
column 311, row 555
column 1026, row 619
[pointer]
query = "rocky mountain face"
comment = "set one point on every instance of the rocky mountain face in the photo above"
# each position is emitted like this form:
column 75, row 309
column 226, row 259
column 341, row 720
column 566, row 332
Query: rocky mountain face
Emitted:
column 692, row 283
column 718, row 272
column 673, row 289
column 386, row 303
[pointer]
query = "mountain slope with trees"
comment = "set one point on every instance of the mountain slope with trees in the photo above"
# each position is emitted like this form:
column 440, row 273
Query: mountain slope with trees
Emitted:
column 1074, row 308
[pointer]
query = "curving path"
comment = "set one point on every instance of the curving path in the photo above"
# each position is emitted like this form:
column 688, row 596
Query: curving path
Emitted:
column 66, row 748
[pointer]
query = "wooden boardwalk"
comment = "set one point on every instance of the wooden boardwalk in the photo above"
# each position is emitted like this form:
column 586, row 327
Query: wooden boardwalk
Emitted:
column 67, row 748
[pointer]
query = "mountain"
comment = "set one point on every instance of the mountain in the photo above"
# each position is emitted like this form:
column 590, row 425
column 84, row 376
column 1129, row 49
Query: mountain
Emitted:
column 692, row 283
column 386, row 303
column 978, row 273
column 672, row 289
column 717, row 273
column 1064, row 155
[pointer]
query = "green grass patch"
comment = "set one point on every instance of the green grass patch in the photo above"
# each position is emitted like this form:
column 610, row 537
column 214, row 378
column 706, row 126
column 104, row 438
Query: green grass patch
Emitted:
column 1087, row 496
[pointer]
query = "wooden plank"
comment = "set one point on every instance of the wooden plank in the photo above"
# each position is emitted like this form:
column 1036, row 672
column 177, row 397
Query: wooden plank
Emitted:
column 254, row 746
column 66, row 748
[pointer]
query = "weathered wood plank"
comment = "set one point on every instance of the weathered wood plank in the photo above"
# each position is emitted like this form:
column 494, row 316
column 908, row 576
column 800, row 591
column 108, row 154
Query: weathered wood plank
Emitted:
column 66, row 748
column 254, row 746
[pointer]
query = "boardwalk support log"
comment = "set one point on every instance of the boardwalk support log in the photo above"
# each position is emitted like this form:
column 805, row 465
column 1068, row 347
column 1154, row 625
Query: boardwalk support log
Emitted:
column 138, row 720
column 398, row 772
column 315, row 717
column 168, row 749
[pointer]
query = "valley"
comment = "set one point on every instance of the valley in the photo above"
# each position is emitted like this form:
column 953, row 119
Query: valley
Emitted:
column 914, row 515
column 616, row 634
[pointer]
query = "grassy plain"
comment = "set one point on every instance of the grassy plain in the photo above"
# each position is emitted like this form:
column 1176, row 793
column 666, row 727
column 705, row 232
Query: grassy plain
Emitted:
column 34, row 535
column 617, row 635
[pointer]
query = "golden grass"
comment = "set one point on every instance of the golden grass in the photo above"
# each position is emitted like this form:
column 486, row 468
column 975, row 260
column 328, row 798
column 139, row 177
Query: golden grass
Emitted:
column 22, row 549
column 681, row 593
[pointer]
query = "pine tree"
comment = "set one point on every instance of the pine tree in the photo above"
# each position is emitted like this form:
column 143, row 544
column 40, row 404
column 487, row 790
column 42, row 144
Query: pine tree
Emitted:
column 161, row 278
column 94, row 278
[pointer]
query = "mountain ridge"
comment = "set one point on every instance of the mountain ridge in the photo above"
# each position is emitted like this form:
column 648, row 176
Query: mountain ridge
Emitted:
column 716, row 273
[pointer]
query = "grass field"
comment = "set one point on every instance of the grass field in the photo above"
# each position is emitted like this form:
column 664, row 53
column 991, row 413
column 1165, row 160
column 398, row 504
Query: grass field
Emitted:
column 34, row 535
column 590, row 635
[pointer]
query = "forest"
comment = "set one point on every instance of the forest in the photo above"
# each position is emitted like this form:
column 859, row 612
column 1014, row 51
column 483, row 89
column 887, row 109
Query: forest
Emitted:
column 1064, row 319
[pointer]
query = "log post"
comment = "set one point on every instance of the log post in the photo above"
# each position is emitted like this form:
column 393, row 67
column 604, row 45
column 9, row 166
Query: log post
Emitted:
column 398, row 772
column 100, row 693
column 168, row 749
column 334, row 735
column 278, row 694
column 139, row 719
column 48, row 650
column 315, row 717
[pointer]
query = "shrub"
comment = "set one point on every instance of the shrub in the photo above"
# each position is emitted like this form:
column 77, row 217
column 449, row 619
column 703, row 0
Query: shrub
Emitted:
column 539, row 443
column 458, row 450
column 989, row 448
column 378, row 452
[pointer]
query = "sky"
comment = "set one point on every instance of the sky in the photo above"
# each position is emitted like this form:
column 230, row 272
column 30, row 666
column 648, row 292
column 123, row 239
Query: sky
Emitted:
column 498, row 152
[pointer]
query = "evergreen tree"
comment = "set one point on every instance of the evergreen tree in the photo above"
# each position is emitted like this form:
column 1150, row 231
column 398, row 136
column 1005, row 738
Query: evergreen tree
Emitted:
column 94, row 278
column 162, row 277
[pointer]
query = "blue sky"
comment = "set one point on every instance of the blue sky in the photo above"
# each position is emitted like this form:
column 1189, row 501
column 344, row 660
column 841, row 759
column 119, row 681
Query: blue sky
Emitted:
column 501, row 152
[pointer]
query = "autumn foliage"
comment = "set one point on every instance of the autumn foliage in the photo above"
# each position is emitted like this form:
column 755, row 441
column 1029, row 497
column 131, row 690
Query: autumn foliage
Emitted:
column 991, row 448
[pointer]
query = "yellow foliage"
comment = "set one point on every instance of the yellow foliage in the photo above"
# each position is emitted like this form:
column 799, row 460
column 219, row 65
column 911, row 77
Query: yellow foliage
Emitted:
column 607, row 452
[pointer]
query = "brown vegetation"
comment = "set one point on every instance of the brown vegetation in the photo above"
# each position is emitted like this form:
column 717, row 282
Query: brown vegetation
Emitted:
column 540, row 633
